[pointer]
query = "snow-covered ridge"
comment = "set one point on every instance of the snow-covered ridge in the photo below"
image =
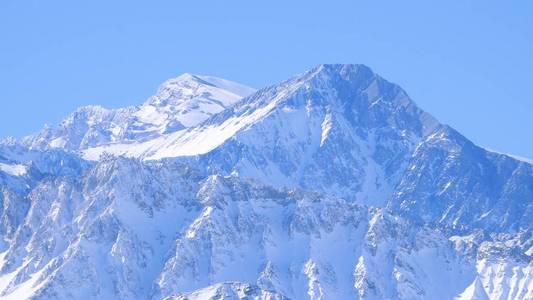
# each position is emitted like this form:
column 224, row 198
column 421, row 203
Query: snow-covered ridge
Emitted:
column 520, row 158
column 179, row 103
column 191, row 99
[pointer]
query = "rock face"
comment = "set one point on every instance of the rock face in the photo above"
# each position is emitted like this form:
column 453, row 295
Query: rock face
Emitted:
column 330, row 185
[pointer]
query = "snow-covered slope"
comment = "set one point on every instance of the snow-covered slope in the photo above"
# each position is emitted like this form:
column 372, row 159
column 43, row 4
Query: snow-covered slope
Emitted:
column 330, row 185
column 452, row 182
column 189, row 100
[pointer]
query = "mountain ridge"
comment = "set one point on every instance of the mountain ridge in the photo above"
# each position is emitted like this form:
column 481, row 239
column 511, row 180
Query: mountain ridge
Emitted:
column 179, row 103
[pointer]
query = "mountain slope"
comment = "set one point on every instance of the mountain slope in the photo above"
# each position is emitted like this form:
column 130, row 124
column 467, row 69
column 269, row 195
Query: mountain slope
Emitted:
column 457, row 184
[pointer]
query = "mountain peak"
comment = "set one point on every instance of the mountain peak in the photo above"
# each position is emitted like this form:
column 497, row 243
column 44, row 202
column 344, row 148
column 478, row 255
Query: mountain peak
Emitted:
column 186, row 79
column 344, row 86
column 189, row 86
column 189, row 99
column 195, row 81
column 341, row 68
column 344, row 71
column 180, row 102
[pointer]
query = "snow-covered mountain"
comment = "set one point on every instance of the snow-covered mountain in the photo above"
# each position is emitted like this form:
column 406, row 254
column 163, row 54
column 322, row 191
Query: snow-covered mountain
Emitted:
column 179, row 103
column 330, row 185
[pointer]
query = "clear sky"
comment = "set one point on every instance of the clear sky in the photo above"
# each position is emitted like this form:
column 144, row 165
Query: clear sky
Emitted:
column 469, row 63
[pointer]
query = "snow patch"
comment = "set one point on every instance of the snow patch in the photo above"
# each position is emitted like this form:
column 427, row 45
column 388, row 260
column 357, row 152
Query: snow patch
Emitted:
column 13, row 169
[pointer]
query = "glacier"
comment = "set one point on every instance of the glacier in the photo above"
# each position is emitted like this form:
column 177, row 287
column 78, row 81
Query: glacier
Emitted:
column 332, row 184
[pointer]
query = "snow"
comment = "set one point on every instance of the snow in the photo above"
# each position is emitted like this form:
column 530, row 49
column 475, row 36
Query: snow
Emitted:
column 13, row 169
column 191, row 99
column 527, row 160
column 27, row 289
column 326, row 127
column 283, row 193
column 179, row 103
column 58, row 143
column 517, row 157
column 445, row 188
column 24, row 290
column 504, row 279
column 204, row 139
column 233, row 87
column 474, row 292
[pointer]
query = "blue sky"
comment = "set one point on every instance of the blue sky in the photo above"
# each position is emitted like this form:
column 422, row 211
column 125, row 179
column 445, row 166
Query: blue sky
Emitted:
column 469, row 63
